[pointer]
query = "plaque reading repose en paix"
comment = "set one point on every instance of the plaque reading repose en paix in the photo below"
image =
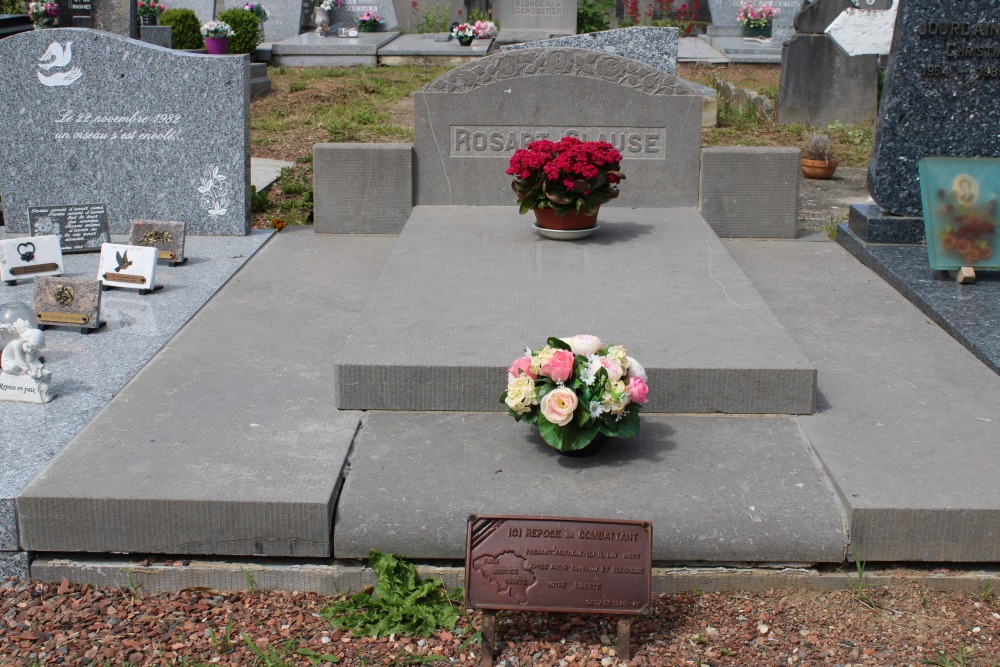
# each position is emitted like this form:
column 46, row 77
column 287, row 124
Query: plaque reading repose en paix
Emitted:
column 558, row 564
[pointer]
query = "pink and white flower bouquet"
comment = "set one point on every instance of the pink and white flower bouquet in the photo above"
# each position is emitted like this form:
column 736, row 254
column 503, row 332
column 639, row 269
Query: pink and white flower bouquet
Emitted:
column 756, row 16
column 575, row 388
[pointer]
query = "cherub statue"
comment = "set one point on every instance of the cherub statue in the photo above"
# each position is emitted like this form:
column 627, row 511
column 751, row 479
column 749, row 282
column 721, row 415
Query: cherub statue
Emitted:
column 20, row 354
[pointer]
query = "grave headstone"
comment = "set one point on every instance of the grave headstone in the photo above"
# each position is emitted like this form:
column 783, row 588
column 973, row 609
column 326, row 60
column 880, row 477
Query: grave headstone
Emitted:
column 526, row 20
column 166, row 237
column 25, row 258
column 203, row 9
column 471, row 120
column 74, row 13
column 115, row 16
column 348, row 12
column 656, row 47
column 160, row 35
column 128, row 266
column 68, row 302
column 939, row 96
column 80, row 227
column 725, row 13
column 76, row 126
column 285, row 20
column 861, row 32
column 409, row 17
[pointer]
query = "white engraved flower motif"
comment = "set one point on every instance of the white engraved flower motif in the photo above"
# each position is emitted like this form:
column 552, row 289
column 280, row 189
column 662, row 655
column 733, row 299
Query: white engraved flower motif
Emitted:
column 214, row 192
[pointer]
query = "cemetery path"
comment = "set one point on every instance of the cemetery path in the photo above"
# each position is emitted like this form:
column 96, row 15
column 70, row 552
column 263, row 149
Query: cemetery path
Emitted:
column 901, row 624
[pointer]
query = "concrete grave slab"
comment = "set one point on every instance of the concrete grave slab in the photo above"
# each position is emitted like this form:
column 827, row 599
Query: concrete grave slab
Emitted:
column 861, row 32
column 936, row 78
column 470, row 121
column 384, row 202
column 311, row 49
column 431, row 49
column 655, row 47
column 732, row 199
column 242, row 452
column 909, row 436
column 717, row 489
column 428, row 340
column 76, row 128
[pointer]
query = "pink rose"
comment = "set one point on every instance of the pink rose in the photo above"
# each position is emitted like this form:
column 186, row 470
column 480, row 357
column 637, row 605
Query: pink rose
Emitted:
column 522, row 365
column 583, row 344
column 613, row 368
column 558, row 405
column 637, row 390
column 560, row 367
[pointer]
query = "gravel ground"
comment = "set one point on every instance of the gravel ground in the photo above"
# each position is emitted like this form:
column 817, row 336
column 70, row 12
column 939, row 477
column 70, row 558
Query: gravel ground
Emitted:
column 902, row 624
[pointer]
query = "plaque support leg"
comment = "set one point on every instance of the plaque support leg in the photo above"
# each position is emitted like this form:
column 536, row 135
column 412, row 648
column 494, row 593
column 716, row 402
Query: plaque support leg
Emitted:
column 964, row 276
column 624, row 638
column 488, row 640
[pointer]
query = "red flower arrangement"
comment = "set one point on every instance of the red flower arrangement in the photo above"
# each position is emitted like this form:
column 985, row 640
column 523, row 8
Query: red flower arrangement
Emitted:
column 566, row 175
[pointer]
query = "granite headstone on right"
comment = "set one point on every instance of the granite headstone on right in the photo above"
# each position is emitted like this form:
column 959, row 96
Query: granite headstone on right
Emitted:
column 940, row 95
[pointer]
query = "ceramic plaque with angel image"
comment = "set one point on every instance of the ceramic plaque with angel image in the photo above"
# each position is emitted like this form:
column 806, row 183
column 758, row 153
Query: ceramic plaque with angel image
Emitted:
column 25, row 258
column 960, row 198
column 128, row 266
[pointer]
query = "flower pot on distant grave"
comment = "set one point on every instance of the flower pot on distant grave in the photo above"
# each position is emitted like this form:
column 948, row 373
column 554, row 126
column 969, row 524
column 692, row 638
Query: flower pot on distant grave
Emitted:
column 465, row 40
column 217, row 46
column 149, row 19
column 759, row 33
column 368, row 27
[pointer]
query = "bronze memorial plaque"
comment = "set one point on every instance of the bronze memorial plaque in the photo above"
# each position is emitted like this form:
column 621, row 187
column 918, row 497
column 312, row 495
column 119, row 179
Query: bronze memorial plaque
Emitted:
column 593, row 566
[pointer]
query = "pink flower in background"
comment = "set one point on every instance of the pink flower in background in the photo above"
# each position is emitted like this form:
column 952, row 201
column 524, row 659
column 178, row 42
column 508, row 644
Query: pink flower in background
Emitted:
column 560, row 367
column 558, row 405
column 522, row 365
column 638, row 390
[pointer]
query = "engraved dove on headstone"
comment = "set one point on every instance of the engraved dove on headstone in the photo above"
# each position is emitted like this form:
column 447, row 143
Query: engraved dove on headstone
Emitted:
column 58, row 56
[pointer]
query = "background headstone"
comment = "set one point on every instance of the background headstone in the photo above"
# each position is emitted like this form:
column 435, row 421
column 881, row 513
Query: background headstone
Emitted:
column 201, row 8
column 725, row 13
column 285, row 20
column 861, row 32
column 74, row 13
column 116, row 16
column 524, row 20
column 409, row 20
column 160, row 35
column 939, row 97
column 157, row 134
column 655, row 47
column 471, row 120
column 350, row 10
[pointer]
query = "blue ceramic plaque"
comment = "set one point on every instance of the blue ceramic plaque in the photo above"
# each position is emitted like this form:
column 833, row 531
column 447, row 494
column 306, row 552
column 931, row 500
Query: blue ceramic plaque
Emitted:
column 960, row 211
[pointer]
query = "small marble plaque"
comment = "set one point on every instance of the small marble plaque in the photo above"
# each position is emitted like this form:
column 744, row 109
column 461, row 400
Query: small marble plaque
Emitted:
column 23, row 389
column 130, row 266
column 960, row 198
column 68, row 302
column 24, row 258
column 80, row 227
column 166, row 237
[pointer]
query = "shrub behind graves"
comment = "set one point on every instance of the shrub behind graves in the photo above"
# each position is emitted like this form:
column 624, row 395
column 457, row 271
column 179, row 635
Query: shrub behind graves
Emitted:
column 247, row 28
column 594, row 15
column 11, row 7
column 186, row 28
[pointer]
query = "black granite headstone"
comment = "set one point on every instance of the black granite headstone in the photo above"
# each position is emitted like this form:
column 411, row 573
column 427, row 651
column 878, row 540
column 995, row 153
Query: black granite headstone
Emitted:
column 80, row 227
column 74, row 13
column 939, row 97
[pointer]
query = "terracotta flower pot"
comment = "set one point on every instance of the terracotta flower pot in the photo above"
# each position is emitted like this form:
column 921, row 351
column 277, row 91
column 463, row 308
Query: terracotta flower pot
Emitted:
column 818, row 169
column 547, row 219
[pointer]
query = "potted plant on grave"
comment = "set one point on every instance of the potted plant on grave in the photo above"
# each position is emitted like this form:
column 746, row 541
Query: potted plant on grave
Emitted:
column 485, row 29
column 43, row 14
column 757, row 19
column 464, row 33
column 370, row 22
column 149, row 11
column 565, row 182
column 817, row 157
column 217, row 34
column 578, row 392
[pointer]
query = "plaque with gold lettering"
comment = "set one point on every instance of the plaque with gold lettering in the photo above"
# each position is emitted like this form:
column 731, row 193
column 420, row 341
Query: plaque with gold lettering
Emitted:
column 128, row 266
column 68, row 302
column 30, row 257
column 592, row 566
column 166, row 237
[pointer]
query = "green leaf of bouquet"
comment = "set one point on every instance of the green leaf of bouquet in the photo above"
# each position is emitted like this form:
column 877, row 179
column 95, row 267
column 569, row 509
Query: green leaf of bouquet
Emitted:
column 626, row 427
column 558, row 343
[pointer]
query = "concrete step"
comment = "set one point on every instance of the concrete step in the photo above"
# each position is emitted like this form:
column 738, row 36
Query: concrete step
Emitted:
column 717, row 489
column 466, row 289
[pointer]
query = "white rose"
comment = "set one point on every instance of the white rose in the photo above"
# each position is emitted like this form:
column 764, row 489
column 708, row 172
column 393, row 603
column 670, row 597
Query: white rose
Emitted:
column 635, row 369
column 583, row 344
